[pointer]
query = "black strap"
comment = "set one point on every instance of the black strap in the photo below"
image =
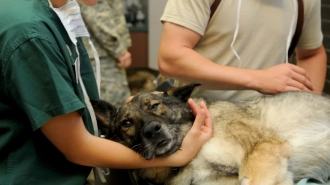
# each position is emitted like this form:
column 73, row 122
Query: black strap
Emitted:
column 299, row 27
column 214, row 7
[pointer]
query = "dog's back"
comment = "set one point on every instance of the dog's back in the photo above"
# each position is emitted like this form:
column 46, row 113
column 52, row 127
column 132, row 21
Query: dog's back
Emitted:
column 303, row 120
column 300, row 119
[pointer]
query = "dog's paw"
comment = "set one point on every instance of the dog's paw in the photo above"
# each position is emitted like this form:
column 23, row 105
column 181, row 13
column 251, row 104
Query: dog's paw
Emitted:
column 287, row 180
column 245, row 181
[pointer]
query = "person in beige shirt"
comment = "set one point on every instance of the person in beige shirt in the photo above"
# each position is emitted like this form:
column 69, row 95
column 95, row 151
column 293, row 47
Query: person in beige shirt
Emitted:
column 241, row 52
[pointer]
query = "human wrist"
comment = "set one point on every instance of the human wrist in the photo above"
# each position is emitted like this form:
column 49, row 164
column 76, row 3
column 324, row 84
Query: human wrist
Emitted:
column 173, row 160
column 251, row 80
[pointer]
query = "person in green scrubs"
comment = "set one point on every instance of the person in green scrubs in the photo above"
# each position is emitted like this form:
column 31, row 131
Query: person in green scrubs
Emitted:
column 46, row 130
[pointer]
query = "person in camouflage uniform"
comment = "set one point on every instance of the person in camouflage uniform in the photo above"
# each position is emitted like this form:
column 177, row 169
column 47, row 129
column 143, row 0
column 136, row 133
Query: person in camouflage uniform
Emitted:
column 108, row 31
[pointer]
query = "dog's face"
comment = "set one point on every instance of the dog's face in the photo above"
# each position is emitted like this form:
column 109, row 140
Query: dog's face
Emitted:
column 151, row 124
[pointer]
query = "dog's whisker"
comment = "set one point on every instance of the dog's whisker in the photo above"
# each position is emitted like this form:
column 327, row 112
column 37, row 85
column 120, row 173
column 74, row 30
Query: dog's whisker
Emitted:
column 140, row 151
column 136, row 147
column 138, row 155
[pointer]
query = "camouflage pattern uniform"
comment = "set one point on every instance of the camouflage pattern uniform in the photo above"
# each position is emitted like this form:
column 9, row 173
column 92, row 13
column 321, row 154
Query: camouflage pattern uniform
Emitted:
column 107, row 26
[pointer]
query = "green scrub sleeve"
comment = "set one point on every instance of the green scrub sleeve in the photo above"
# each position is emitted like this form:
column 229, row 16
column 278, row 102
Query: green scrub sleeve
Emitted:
column 42, row 82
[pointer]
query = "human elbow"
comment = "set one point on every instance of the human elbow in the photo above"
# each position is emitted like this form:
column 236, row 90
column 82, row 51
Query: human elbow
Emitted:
column 80, row 154
column 163, row 67
column 167, row 65
column 74, row 158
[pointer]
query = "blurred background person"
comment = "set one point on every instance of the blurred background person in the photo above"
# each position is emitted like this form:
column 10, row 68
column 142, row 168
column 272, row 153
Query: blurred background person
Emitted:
column 108, row 31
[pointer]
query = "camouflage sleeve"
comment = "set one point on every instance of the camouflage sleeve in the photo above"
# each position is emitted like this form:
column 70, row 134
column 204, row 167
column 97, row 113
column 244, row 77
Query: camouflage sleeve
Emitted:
column 107, row 25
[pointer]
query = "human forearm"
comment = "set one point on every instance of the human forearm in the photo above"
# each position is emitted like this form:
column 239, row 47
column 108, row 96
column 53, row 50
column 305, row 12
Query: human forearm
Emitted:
column 101, row 152
column 315, row 64
column 68, row 133
column 188, row 66
column 177, row 59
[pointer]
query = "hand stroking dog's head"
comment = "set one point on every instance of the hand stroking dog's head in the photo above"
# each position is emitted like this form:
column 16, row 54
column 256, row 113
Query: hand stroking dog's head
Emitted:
column 151, row 124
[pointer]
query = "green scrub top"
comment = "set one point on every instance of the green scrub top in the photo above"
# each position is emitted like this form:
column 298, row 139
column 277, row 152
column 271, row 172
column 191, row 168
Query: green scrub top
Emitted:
column 37, row 83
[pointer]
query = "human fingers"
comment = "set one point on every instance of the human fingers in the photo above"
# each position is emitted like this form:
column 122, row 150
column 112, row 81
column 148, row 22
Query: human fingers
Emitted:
column 120, row 62
column 157, row 92
column 284, row 77
column 193, row 106
column 299, row 70
column 208, row 124
column 200, row 132
column 203, row 106
column 299, row 75
column 194, row 140
column 202, row 126
column 125, row 60
column 129, row 99
column 294, row 85
column 124, row 63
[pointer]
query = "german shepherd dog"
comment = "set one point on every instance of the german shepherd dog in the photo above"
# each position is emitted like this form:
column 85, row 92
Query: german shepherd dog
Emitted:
column 273, row 140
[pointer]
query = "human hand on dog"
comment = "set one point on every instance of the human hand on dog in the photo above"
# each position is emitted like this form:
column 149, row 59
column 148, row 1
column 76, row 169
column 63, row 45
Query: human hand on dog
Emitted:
column 200, row 132
column 131, row 97
column 283, row 77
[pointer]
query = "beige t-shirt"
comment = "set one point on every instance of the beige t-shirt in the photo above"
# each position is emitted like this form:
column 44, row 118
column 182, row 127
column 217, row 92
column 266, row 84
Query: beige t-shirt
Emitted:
column 264, row 26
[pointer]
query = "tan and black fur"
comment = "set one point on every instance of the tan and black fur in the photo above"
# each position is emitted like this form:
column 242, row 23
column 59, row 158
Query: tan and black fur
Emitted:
column 273, row 140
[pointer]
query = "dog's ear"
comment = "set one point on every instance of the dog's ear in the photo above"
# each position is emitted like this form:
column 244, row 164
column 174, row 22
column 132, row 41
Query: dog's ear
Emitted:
column 105, row 114
column 183, row 92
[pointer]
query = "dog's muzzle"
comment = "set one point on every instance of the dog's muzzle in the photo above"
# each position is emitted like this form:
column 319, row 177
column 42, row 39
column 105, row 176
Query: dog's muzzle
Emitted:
column 154, row 137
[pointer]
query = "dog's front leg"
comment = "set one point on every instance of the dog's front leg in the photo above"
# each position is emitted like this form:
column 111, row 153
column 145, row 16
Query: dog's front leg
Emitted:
column 267, row 164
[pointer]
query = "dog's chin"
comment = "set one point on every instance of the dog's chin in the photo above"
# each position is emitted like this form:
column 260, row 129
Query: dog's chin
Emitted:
column 163, row 148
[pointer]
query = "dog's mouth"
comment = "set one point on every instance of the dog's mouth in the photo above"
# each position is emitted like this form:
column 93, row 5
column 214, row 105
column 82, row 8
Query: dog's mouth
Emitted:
column 162, row 143
column 163, row 147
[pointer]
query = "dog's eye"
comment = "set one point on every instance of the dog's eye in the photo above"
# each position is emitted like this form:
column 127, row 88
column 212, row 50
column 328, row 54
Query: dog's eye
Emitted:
column 126, row 123
column 154, row 106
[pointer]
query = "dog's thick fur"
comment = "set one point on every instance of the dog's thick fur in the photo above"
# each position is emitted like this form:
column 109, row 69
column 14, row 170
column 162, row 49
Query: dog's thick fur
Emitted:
column 273, row 140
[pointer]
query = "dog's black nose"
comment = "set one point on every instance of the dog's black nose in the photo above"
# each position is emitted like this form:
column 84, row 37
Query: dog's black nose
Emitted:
column 152, row 130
